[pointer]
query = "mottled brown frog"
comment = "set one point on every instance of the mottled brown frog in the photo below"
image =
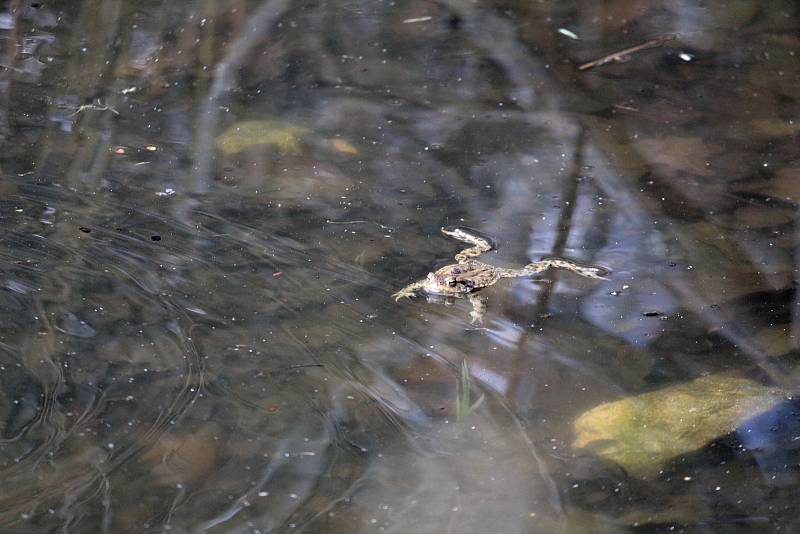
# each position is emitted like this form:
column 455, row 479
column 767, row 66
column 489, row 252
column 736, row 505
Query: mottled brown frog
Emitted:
column 468, row 276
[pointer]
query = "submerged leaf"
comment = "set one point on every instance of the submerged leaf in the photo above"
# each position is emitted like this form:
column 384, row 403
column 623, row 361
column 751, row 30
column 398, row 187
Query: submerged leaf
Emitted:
column 283, row 136
column 680, row 154
column 784, row 186
column 774, row 340
column 763, row 216
column 642, row 433
column 775, row 127
column 344, row 147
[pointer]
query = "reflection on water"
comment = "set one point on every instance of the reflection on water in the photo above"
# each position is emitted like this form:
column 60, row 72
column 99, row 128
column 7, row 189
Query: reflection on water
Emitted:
column 207, row 205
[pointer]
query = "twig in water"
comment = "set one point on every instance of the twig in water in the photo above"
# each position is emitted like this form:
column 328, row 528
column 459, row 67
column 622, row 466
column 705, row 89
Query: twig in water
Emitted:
column 618, row 56
column 97, row 106
column 359, row 222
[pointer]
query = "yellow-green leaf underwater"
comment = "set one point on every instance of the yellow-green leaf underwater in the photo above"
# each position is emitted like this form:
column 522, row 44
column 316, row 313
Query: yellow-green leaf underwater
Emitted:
column 283, row 136
column 641, row 433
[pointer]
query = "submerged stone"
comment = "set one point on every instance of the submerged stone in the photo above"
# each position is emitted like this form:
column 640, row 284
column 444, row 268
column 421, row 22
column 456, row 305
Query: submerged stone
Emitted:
column 641, row 433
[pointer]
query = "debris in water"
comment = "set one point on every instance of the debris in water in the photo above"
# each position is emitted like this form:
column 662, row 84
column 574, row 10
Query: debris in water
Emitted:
column 623, row 54
column 568, row 33
column 418, row 19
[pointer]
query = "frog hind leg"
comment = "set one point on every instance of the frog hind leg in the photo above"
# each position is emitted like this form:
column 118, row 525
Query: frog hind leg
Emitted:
column 478, row 308
column 409, row 291
column 479, row 244
column 587, row 271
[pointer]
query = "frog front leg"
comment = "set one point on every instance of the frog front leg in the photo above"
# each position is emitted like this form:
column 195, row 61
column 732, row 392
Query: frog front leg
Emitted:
column 409, row 291
column 478, row 308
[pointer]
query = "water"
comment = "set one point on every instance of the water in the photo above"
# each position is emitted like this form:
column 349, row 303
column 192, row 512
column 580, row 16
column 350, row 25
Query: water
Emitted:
column 207, row 205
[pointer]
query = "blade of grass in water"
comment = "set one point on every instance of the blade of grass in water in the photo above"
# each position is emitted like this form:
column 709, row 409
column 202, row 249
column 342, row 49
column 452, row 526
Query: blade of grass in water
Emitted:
column 463, row 406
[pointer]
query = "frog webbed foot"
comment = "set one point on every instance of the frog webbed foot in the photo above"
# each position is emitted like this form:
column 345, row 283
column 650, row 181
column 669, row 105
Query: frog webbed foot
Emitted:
column 598, row 273
column 403, row 294
column 478, row 308
column 407, row 292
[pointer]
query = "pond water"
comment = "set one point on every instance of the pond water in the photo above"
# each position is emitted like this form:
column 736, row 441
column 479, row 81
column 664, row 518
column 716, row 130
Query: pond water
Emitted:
column 207, row 206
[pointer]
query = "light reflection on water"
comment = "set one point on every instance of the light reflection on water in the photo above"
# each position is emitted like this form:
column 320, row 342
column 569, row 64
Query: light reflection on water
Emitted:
column 198, row 335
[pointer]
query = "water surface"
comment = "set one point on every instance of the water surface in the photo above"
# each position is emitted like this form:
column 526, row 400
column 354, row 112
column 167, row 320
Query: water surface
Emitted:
column 207, row 205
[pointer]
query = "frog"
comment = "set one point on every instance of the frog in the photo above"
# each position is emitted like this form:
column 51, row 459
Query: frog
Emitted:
column 466, row 277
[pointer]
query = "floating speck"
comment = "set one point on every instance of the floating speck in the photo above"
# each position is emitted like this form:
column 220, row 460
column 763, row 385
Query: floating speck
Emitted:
column 417, row 19
column 569, row 33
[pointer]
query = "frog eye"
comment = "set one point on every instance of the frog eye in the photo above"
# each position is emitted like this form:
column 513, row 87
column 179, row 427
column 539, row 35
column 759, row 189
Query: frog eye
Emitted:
column 451, row 283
